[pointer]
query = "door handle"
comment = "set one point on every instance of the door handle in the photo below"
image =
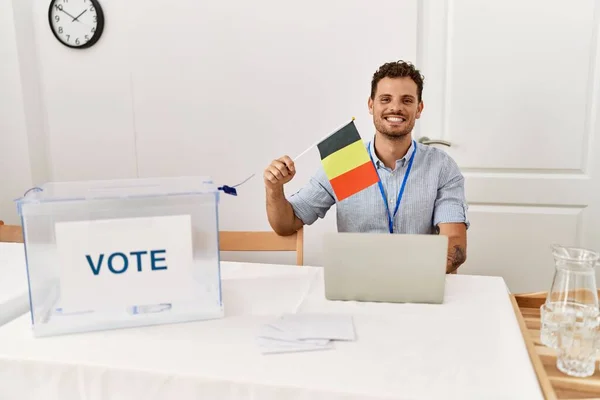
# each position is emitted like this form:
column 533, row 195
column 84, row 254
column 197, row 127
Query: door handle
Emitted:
column 427, row 141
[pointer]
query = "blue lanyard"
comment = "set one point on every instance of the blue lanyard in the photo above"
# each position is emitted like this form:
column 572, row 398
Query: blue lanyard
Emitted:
column 400, row 193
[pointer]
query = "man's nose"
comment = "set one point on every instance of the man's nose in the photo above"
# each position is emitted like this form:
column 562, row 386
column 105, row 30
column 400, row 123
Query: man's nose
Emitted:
column 396, row 106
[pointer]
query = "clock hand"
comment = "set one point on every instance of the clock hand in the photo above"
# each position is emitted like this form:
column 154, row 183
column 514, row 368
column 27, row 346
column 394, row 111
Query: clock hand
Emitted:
column 61, row 9
column 76, row 18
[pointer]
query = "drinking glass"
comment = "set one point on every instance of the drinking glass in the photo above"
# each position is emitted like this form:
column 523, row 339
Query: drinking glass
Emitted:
column 577, row 341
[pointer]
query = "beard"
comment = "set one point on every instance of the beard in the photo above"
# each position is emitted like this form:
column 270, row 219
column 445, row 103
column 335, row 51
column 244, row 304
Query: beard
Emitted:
column 394, row 132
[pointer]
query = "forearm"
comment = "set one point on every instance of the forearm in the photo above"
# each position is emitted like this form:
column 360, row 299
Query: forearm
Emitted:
column 280, row 213
column 457, row 244
column 457, row 253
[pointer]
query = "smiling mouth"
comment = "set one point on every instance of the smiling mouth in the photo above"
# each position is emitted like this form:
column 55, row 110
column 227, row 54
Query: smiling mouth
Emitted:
column 395, row 119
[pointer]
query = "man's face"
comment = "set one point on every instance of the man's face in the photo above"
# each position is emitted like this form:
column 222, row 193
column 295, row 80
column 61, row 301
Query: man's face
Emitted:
column 395, row 107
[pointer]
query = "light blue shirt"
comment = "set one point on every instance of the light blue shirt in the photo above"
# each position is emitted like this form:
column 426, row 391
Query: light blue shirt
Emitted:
column 434, row 194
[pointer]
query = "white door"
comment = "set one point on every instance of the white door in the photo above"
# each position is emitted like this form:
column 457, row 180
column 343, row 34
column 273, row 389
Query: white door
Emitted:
column 513, row 86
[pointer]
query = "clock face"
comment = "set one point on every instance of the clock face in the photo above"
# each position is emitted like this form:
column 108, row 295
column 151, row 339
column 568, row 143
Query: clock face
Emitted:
column 76, row 23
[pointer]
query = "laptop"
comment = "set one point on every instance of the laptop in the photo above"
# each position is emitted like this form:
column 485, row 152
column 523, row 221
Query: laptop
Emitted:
column 379, row 267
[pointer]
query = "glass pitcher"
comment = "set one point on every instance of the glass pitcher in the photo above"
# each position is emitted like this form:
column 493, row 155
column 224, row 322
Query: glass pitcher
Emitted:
column 573, row 290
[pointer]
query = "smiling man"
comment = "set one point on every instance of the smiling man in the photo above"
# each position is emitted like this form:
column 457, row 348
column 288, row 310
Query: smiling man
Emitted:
column 420, row 189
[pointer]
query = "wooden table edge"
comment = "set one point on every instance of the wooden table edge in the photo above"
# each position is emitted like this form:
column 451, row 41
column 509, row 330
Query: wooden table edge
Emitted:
column 540, row 371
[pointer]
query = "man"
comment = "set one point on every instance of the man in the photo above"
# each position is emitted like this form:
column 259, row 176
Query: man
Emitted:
column 432, row 200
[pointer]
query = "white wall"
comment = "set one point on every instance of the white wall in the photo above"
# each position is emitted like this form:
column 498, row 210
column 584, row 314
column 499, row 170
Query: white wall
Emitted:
column 15, row 171
column 24, row 158
column 87, row 96
column 31, row 85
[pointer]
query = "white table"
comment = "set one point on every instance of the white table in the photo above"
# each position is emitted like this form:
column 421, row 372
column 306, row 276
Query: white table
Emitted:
column 14, row 297
column 470, row 347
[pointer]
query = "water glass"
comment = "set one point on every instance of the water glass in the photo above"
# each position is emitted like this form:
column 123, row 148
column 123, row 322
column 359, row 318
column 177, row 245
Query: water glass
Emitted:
column 576, row 341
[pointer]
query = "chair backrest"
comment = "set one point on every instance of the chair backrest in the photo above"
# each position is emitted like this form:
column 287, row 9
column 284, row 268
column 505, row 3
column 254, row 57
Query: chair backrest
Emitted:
column 228, row 240
column 263, row 241
column 11, row 233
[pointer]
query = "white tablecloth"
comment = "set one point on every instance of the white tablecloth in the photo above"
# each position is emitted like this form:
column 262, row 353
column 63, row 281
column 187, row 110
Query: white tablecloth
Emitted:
column 470, row 347
column 14, row 298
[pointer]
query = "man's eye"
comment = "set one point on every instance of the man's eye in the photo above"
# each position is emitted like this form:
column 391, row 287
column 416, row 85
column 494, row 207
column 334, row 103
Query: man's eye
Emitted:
column 408, row 101
column 384, row 100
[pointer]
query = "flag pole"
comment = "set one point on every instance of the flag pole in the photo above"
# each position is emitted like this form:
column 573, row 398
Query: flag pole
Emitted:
column 233, row 191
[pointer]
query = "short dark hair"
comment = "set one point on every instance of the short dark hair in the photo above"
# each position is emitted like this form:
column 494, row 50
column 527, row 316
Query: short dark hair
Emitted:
column 398, row 69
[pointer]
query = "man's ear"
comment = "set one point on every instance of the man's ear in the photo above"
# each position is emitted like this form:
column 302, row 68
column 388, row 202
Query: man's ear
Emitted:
column 420, row 109
column 370, row 105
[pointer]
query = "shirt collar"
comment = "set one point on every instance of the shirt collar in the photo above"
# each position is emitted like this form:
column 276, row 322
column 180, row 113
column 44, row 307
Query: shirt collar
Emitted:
column 402, row 161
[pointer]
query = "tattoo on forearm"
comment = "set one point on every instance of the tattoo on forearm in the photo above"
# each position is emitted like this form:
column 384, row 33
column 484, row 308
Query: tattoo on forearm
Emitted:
column 456, row 257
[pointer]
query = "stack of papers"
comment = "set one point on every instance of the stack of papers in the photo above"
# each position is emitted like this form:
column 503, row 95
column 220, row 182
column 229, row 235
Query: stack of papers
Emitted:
column 305, row 332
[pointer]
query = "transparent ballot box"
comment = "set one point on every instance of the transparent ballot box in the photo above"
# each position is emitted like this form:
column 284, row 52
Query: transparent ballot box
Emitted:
column 123, row 253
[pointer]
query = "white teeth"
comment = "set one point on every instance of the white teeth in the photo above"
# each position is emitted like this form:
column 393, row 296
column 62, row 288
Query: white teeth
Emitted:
column 395, row 119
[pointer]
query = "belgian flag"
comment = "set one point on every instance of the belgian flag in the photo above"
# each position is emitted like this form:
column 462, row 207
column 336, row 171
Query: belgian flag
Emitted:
column 346, row 162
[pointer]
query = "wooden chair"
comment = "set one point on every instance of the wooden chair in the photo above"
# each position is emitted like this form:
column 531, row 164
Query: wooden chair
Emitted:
column 228, row 240
column 263, row 241
column 10, row 233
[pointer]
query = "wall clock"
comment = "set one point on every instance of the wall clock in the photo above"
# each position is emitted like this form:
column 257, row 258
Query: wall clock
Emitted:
column 76, row 23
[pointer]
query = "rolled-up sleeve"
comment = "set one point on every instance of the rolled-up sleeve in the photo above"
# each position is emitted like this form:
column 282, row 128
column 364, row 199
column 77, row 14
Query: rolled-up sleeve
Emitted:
column 450, row 204
column 313, row 200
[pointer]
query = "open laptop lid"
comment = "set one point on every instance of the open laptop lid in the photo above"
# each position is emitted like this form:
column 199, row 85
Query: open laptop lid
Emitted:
column 385, row 267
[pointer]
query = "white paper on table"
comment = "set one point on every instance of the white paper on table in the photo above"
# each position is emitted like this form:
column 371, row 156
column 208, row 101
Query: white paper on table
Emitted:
column 304, row 332
column 269, row 332
column 270, row 346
